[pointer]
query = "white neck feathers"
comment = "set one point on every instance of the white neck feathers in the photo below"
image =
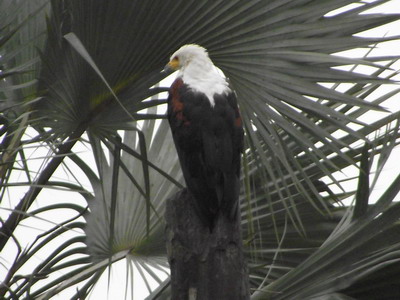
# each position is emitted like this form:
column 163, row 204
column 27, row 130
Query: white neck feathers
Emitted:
column 202, row 76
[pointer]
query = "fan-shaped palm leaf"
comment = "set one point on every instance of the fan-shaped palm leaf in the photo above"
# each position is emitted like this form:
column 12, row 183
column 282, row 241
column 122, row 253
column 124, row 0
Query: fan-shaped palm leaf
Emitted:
column 100, row 65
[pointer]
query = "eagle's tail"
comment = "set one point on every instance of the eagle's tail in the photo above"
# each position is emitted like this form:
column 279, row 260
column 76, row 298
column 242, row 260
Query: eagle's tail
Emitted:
column 230, row 201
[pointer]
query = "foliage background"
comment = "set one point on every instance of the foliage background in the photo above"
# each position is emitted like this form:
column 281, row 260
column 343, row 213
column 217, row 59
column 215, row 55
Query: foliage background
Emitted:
column 82, row 124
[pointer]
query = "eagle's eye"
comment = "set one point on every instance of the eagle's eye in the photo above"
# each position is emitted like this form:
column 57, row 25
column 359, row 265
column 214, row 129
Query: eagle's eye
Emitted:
column 174, row 63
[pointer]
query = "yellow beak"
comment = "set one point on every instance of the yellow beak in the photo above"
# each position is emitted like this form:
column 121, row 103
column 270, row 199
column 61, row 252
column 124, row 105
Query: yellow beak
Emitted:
column 172, row 66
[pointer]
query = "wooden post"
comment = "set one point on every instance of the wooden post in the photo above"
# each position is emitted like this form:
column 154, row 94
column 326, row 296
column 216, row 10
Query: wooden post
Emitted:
column 204, row 265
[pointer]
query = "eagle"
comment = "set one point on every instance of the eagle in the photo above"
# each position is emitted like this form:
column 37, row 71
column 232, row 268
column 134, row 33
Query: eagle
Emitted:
column 207, row 131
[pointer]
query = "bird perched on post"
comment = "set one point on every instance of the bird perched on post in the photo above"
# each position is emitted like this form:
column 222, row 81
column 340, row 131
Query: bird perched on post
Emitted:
column 207, row 131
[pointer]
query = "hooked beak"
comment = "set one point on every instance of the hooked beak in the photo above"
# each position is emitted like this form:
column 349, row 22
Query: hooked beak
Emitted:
column 172, row 66
column 167, row 69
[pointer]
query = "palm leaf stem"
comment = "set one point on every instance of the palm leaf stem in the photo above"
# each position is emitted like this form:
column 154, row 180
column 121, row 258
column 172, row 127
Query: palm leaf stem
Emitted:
column 17, row 215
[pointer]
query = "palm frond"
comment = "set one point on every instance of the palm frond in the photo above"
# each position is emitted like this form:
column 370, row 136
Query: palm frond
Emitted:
column 357, row 240
column 305, row 108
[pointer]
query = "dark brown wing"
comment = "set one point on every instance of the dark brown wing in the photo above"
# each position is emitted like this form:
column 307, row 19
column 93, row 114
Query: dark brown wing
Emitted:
column 209, row 141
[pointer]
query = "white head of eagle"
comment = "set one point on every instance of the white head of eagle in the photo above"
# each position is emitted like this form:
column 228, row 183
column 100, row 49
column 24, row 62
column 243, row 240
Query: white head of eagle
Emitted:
column 198, row 71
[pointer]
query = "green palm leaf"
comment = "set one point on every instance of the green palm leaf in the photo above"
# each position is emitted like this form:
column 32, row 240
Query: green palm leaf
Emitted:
column 96, row 74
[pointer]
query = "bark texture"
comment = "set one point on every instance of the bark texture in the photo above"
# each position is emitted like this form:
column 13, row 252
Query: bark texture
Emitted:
column 204, row 265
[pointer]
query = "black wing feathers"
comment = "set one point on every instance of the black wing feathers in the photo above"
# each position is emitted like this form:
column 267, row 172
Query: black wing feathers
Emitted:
column 209, row 141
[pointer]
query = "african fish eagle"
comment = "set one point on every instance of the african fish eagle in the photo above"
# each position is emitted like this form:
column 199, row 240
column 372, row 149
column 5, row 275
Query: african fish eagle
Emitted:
column 207, row 131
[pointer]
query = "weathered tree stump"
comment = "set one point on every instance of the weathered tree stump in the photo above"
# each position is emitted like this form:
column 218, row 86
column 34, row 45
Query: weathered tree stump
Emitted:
column 204, row 265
